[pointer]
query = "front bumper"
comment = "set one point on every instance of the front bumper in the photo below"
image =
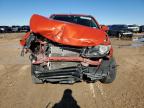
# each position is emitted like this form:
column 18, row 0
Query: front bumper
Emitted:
column 83, row 61
column 73, row 74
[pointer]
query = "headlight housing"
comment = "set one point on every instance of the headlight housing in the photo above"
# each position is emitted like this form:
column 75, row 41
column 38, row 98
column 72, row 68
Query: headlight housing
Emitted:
column 103, row 49
column 96, row 51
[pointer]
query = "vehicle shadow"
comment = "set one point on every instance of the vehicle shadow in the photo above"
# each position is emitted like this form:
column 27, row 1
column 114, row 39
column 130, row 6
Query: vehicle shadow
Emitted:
column 67, row 101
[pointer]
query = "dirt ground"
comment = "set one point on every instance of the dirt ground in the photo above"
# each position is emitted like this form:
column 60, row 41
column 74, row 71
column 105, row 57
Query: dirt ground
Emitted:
column 17, row 90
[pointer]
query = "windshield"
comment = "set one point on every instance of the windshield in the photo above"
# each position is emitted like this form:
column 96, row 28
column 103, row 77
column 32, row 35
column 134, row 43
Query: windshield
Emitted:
column 82, row 20
column 132, row 26
column 119, row 27
column 123, row 26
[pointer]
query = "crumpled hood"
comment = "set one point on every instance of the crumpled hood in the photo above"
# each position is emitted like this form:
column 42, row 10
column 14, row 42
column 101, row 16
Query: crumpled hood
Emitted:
column 66, row 33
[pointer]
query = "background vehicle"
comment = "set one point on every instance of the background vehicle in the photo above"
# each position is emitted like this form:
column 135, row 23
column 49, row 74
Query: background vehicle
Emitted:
column 5, row 29
column 68, row 49
column 133, row 28
column 24, row 28
column 120, row 31
column 141, row 28
column 2, row 29
column 15, row 28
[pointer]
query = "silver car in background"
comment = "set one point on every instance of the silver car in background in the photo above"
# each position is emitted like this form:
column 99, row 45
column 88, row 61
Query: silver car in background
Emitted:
column 133, row 28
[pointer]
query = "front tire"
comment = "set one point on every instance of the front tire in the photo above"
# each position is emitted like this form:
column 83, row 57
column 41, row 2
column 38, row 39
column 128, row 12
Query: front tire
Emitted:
column 111, row 74
column 119, row 35
column 35, row 80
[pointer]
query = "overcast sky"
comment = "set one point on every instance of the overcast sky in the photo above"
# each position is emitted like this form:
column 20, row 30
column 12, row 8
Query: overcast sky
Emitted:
column 18, row 12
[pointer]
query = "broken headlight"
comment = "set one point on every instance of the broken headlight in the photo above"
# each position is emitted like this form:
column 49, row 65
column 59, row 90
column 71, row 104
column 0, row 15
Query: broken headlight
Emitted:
column 96, row 51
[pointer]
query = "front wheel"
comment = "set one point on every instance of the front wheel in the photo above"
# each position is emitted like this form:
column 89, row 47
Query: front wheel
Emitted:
column 35, row 80
column 119, row 35
column 111, row 74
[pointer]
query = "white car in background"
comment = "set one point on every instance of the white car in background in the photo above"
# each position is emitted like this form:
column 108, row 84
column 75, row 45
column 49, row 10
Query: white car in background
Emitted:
column 133, row 28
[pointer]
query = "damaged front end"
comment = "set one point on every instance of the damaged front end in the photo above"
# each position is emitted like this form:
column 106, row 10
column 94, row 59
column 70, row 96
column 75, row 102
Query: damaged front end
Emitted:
column 61, row 52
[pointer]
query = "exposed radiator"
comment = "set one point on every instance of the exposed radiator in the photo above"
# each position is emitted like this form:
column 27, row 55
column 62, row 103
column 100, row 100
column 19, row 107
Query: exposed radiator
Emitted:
column 62, row 51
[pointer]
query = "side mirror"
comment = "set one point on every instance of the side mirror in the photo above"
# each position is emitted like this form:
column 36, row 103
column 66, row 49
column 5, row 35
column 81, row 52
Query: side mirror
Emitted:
column 104, row 28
